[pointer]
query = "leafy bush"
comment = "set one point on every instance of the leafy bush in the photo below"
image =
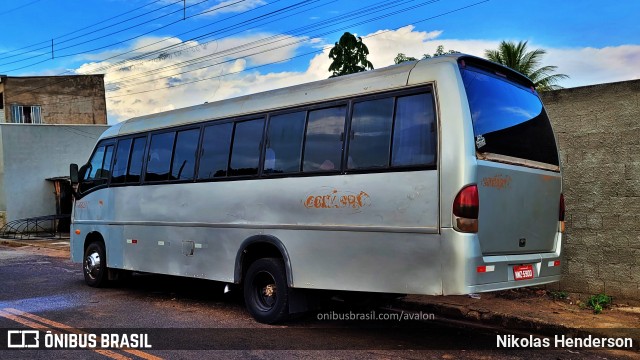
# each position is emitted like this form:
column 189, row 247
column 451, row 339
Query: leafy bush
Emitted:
column 599, row 302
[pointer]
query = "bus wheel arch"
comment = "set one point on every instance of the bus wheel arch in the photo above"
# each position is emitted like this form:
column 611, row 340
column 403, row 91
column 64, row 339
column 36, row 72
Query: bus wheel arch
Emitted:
column 91, row 237
column 258, row 247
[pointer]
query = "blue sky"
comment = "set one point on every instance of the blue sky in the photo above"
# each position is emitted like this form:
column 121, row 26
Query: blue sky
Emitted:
column 592, row 42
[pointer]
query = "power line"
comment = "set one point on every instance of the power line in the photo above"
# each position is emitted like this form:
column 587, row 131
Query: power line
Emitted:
column 117, row 64
column 19, row 7
column 288, row 59
column 293, row 57
column 78, row 30
column 125, row 29
column 383, row 6
column 80, row 133
column 184, row 42
column 217, row 8
column 239, row 25
column 101, row 37
column 117, row 16
column 282, row 10
column 137, row 36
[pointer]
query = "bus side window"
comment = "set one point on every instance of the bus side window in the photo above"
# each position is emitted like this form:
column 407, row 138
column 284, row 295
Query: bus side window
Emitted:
column 135, row 163
column 95, row 164
column 370, row 134
column 245, row 155
column 121, row 161
column 214, row 156
column 284, row 143
column 104, row 173
column 323, row 144
column 184, row 155
column 414, row 135
column 159, row 161
column 99, row 169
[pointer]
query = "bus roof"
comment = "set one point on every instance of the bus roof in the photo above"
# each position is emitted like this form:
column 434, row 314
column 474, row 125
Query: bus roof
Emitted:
column 367, row 82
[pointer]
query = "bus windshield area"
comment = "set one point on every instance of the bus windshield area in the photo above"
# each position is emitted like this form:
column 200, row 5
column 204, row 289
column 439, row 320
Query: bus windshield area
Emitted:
column 508, row 119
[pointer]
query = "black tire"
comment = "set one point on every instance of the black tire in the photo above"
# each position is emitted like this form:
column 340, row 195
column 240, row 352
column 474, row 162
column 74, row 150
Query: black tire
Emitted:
column 94, row 265
column 266, row 294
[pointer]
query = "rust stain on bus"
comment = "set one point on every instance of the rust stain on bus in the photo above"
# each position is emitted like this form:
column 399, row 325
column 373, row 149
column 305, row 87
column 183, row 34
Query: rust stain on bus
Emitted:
column 499, row 182
column 337, row 200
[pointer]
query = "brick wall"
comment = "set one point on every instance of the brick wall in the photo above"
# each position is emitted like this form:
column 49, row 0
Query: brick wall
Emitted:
column 76, row 99
column 598, row 130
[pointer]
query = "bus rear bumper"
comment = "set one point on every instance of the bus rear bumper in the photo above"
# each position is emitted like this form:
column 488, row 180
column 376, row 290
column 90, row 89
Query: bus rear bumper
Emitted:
column 469, row 271
column 512, row 284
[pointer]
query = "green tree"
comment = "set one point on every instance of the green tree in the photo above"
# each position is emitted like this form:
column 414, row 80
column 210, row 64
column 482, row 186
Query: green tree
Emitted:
column 527, row 63
column 349, row 56
column 439, row 51
column 400, row 58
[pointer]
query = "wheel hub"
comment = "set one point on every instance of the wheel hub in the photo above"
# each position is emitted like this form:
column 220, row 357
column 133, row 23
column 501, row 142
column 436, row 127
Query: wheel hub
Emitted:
column 92, row 266
column 269, row 290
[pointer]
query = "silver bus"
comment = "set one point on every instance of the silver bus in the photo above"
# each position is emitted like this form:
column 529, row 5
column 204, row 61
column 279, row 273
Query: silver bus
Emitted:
column 433, row 177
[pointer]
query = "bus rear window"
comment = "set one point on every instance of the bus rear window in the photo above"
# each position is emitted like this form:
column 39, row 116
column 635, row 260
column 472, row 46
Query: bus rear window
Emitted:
column 508, row 119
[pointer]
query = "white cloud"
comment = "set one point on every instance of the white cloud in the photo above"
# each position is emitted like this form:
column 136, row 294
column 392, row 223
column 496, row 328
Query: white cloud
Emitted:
column 384, row 45
column 232, row 6
column 587, row 66
column 584, row 65
column 191, row 62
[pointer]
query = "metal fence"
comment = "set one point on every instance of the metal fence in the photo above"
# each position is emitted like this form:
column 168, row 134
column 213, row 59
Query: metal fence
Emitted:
column 36, row 227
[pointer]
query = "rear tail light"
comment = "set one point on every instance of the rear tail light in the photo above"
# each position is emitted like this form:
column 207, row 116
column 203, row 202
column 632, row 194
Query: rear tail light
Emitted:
column 485, row 268
column 561, row 213
column 465, row 209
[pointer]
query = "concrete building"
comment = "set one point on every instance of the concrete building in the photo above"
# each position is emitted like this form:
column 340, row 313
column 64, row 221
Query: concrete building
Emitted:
column 31, row 154
column 38, row 140
column 76, row 99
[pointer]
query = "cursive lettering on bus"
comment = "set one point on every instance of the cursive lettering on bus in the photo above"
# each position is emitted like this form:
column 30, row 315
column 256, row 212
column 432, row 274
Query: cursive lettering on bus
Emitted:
column 337, row 200
column 499, row 182
column 82, row 204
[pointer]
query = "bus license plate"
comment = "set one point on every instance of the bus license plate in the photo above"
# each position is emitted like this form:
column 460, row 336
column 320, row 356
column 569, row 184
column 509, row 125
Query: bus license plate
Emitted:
column 523, row 272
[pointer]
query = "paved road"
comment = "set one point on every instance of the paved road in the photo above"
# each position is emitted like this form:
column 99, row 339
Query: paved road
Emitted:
column 192, row 319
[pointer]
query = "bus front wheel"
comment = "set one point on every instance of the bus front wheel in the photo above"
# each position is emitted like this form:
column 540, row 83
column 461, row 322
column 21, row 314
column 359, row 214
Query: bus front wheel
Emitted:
column 94, row 265
column 266, row 292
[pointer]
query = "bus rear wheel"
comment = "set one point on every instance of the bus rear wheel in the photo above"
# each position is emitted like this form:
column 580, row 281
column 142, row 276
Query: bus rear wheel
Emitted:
column 94, row 265
column 266, row 291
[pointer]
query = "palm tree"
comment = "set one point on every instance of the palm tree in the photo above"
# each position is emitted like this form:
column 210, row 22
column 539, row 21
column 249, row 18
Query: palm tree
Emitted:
column 527, row 63
column 349, row 56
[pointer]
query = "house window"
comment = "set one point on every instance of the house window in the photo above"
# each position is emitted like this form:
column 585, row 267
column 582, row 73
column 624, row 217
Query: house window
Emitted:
column 26, row 114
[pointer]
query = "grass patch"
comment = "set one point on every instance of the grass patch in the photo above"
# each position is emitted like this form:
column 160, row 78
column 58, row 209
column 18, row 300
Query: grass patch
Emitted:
column 559, row 295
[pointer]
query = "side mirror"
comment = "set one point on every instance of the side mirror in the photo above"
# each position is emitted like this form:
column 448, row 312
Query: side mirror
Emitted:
column 73, row 174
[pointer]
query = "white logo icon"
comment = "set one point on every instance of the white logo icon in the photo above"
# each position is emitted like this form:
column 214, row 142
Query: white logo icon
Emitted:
column 21, row 339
